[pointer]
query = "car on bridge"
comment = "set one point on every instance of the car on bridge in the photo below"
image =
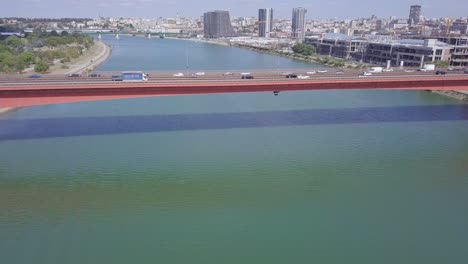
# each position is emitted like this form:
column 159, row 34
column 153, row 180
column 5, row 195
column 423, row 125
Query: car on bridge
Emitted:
column 322, row 71
column 247, row 77
column 179, row 74
column 200, row 74
column 311, row 72
column 339, row 72
column 74, row 75
column 94, row 75
column 35, row 76
column 440, row 73
column 116, row 78
column 303, row 77
column 465, row 71
column 291, row 75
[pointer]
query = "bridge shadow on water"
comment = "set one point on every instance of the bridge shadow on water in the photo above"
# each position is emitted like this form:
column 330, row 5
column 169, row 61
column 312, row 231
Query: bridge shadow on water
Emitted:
column 11, row 129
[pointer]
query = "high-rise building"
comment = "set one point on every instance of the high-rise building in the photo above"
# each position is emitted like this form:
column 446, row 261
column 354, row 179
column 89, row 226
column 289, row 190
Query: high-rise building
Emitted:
column 217, row 24
column 298, row 23
column 265, row 22
column 414, row 15
column 378, row 24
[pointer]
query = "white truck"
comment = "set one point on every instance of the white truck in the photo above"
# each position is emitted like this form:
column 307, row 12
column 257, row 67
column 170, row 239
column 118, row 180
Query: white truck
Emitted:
column 376, row 69
column 429, row 67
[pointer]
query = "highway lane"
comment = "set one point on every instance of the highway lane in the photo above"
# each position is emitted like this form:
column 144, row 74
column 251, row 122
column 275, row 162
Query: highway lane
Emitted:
column 213, row 74
column 215, row 79
column 177, row 83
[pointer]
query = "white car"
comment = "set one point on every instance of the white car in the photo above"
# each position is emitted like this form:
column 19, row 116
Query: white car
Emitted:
column 311, row 72
column 179, row 74
column 365, row 74
column 245, row 73
column 303, row 77
column 388, row 70
column 200, row 74
column 409, row 70
column 322, row 71
column 227, row 73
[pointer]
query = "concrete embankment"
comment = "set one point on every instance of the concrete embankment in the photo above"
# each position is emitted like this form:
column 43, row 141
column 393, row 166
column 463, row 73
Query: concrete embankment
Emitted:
column 6, row 110
column 460, row 95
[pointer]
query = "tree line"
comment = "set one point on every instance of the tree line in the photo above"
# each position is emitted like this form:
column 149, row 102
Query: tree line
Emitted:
column 41, row 49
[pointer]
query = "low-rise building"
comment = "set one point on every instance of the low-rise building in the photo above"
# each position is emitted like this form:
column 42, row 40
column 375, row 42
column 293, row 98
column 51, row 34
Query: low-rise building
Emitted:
column 459, row 52
column 377, row 49
column 409, row 52
column 339, row 45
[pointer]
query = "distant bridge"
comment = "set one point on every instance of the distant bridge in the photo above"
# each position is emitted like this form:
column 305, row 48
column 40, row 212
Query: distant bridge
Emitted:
column 21, row 92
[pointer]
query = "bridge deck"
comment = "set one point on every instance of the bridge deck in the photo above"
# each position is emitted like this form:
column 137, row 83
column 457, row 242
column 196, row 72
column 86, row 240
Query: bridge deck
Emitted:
column 17, row 93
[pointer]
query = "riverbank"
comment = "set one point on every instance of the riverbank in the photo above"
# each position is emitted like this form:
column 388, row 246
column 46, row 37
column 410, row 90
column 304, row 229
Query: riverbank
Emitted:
column 459, row 95
column 316, row 58
column 6, row 110
column 90, row 60
column 216, row 42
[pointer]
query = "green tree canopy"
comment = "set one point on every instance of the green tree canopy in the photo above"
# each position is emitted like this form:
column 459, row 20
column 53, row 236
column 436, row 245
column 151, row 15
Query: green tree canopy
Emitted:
column 41, row 66
column 303, row 49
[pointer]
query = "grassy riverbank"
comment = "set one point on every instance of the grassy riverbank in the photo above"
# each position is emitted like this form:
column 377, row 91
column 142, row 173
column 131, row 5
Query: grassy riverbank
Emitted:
column 37, row 52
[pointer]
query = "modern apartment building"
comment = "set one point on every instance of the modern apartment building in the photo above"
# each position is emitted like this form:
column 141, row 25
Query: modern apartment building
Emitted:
column 298, row 23
column 265, row 22
column 414, row 15
column 217, row 24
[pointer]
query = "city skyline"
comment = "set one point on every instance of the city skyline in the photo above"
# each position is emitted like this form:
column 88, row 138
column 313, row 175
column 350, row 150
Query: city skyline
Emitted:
column 338, row 9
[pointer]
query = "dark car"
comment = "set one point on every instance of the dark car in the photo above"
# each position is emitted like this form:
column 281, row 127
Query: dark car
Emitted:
column 440, row 73
column 117, row 78
column 247, row 77
column 94, row 75
column 74, row 75
column 465, row 71
column 291, row 75
column 35, row 76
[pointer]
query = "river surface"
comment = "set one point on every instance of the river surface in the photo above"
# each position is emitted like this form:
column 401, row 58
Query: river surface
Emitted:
column 303, row 177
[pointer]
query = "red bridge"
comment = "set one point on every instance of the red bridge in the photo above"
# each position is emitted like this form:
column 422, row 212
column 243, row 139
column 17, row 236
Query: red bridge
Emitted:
column 20, row 93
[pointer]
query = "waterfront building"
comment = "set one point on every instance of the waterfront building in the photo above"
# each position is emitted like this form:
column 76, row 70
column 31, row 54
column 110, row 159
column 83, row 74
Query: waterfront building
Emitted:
column 459, row 51
column 410, row 52
column 298, row 23
column 339, row 45
column 217, row 24
column 380, row 49
column 414, row 15
column 265, row 22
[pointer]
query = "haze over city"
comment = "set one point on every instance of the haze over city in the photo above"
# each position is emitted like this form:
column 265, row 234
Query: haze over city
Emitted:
column 340, row 9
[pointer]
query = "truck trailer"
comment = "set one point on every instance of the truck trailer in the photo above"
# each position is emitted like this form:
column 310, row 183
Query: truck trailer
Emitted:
column 134, row 76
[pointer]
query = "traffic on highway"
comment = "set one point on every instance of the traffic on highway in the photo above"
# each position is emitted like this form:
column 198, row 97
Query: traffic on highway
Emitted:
column 228, row 76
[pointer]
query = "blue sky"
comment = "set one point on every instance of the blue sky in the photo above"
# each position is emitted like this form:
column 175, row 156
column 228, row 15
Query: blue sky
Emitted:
column 341, row 9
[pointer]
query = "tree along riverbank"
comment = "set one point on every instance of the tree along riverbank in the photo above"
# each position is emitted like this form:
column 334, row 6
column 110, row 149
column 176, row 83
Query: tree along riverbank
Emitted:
column 38, row 51
column 311, row 57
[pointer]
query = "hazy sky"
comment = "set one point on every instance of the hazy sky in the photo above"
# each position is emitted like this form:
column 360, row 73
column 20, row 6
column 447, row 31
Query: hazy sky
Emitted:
column 190, row 8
